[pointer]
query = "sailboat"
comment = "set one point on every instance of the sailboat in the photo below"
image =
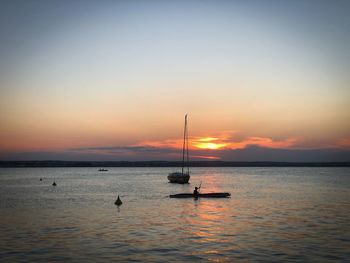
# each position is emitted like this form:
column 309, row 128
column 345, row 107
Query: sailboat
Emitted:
column 184, row 176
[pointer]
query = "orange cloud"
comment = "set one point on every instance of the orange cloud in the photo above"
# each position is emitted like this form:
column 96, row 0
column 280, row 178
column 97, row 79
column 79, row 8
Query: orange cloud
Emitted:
column 264, row 142
column 225, row 142
column 164, row 144
column 206, row 157
column 208, row 139
column 222, row 142
column 344, row 143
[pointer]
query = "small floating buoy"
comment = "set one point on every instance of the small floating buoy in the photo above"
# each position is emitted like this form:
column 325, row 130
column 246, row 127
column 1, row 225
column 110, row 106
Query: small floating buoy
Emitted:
column 118, row 202
column 54, row 184
column 41, row 179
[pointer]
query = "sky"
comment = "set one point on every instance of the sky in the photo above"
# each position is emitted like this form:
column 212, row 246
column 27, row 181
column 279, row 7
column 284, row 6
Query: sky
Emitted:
column 265, row 80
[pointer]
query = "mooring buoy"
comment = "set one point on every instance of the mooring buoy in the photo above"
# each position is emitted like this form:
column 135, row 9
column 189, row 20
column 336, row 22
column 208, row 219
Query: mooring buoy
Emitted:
column 118, row 202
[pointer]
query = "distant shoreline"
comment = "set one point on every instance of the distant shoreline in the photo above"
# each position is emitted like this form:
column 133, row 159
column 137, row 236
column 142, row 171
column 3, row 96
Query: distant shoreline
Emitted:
column 25, row 164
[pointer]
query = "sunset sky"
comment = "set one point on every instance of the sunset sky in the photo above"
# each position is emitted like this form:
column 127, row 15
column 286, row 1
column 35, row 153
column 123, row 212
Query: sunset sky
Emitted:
column 112, row 80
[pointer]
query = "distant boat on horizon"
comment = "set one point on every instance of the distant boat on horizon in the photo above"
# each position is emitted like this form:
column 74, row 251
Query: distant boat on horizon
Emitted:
column 102, row 170
column 182, row 177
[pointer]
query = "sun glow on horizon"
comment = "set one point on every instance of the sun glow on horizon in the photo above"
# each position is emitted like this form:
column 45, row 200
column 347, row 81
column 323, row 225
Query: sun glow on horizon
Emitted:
column 209, row 143
column 206, row 157
column 224, row 142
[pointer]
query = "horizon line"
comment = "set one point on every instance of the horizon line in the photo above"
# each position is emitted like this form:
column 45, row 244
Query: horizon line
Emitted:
column 164, row 163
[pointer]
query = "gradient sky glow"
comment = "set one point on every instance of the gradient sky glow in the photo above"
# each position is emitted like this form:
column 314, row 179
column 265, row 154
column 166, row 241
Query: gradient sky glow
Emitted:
column 112, row 80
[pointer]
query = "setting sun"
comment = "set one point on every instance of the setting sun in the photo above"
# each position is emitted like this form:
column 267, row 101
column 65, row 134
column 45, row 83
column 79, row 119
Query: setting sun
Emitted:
column 207, row 143
column 210, row 145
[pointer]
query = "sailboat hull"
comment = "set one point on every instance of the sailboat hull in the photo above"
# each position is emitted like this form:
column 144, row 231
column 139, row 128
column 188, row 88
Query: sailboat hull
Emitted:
column 179, row 178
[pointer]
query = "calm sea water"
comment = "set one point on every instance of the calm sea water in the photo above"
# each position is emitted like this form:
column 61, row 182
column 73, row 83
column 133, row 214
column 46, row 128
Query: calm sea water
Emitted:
column 274, row 215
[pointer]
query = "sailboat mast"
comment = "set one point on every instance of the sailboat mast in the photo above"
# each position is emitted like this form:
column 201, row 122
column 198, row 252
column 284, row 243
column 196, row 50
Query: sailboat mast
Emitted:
column 184, row 145
column 188, row 159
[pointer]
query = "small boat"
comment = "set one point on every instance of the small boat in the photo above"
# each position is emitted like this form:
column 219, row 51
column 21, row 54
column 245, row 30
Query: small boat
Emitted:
column 182, row 177
column 206, row 195
column 102, row 170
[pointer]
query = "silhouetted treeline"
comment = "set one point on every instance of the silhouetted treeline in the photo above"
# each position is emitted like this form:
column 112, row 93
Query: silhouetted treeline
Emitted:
column 167, row 164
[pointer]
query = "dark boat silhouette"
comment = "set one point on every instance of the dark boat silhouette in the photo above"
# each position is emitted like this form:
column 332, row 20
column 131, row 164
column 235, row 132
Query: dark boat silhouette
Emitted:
column 204, row 195
column 184, row 176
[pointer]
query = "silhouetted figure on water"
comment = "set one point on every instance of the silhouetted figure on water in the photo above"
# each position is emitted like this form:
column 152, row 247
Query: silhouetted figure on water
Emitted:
column 41, row 179
column 196, row 192
column 54, row 184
